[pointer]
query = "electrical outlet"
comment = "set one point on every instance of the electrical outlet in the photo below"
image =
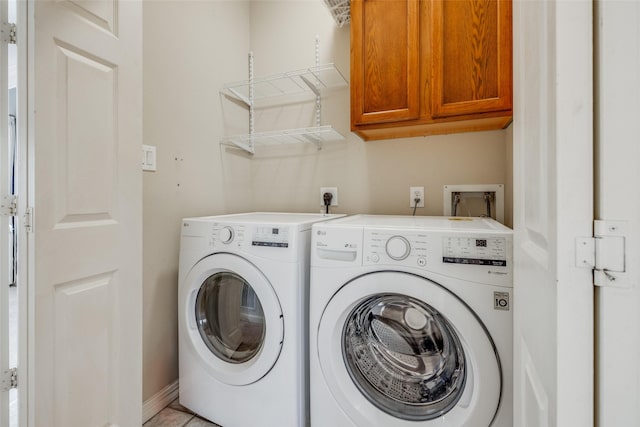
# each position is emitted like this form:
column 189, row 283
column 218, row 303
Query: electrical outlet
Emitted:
column 333, row 191
column 416, row 193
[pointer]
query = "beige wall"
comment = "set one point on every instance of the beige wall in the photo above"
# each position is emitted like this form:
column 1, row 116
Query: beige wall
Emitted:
column 191, row 48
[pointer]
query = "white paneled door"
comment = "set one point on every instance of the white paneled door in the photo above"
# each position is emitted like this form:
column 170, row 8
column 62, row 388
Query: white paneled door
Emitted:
column 5, row 360
column 553, row 206
column 85, row 136
column 618, row 198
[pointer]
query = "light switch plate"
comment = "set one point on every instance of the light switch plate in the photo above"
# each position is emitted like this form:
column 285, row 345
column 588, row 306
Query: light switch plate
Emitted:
column 149, row 158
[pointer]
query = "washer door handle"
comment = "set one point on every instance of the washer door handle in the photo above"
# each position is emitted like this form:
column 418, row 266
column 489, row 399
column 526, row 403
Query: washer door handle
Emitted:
column 191, row 309
column 465, row 399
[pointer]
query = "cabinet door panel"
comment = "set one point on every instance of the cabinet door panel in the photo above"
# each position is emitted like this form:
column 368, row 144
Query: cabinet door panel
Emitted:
column 384, row 61
column 472, row 69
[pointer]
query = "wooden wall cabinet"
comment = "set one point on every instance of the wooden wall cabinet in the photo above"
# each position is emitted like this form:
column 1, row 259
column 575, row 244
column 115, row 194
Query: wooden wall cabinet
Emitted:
column 424, row 67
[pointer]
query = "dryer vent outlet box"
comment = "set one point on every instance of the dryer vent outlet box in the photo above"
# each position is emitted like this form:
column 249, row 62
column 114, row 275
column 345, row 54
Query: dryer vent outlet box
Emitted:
column 483, row 200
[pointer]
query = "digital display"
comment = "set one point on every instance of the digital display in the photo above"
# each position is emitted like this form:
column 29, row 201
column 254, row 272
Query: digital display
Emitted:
column 474, row 251
column 270, row 244
column 475, row 261
column 271, row 236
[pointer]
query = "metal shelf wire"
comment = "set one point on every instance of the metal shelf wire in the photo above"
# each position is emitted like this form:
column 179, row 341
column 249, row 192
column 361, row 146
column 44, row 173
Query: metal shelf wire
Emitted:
column 315, row 135
column 315, row 79
column 340, row 10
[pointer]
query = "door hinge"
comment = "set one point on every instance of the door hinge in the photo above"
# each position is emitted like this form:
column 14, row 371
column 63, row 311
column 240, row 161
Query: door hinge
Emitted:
column 9, row 33
column 9, row 205
column 28, row 220
column 10, row 379
column 605, row 253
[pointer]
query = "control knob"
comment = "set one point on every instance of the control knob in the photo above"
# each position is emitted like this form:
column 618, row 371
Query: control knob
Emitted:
column 225, row 235
column 398, row 248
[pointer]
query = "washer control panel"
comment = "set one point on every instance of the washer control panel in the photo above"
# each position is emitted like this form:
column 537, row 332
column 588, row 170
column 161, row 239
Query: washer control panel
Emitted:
column 482, row 255
column 390, row 247
column 416, row 249
column 490, row 251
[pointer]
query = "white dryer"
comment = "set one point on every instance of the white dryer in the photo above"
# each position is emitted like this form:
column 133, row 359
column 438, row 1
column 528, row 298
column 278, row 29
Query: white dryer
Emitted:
column 242, row 326
column 411, row 322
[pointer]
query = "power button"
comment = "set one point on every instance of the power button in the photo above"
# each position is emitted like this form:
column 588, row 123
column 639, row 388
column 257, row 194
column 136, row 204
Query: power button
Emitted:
column 422, row 261
column 375, row 257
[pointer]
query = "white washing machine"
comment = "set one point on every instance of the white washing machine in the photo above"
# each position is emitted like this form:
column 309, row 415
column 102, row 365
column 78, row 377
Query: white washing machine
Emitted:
column 242, row 326
column 411, row 322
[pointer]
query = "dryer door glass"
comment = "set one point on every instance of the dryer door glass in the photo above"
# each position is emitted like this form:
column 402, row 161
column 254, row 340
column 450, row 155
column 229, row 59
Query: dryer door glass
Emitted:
column 230, row 317
column 404, row 356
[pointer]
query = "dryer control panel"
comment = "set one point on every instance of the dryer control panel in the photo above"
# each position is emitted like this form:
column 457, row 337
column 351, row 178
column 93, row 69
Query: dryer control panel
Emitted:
column 270, row 241
column 272, row 236
column 239, row 235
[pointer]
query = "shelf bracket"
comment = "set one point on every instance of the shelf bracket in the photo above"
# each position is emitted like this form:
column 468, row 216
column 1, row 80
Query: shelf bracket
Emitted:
column 315, row 139
column 251, row 94
column 314, row 87
column 317, row 92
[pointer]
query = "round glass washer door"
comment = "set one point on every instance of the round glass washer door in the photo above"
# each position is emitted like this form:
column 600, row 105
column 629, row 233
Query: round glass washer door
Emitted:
column 404, row 356
column 229, row 317
column 397, row 349
column 234, row 319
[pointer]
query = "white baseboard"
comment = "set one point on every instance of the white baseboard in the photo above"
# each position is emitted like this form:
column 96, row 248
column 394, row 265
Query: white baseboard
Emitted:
column 159, row 401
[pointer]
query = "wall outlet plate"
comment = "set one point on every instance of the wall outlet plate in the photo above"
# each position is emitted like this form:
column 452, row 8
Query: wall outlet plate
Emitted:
column 333, row 191
column 416, row 192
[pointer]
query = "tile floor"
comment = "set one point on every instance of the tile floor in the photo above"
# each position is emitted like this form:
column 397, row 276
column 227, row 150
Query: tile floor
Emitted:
column 176, row 415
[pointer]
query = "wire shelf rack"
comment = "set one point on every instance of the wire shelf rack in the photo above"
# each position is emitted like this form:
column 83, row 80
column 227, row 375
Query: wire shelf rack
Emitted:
column 315, row 135
column 340, row 10
column 315, row 79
